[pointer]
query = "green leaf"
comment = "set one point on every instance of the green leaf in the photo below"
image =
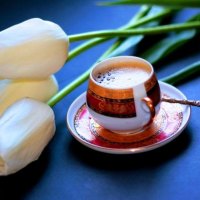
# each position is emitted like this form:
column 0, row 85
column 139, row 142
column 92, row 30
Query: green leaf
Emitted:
column 122, row 45
column 183, row 74
column 144, row 10
column 126, row 45
column 169, row 44
column 170, row 3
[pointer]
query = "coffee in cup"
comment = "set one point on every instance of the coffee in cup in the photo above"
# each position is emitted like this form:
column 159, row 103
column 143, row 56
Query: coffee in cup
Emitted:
column 123, row 94
column 116, row 77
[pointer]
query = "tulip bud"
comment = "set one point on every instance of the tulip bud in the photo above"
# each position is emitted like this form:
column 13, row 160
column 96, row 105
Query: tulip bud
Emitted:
column 32, row 49
column 26, row 127
column 13, row 90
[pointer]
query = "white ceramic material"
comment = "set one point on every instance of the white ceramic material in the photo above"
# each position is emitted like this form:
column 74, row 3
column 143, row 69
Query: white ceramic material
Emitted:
column 125, row 125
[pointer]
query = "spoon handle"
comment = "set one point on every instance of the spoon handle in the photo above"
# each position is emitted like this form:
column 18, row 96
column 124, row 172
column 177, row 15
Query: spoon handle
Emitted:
column 182, row 101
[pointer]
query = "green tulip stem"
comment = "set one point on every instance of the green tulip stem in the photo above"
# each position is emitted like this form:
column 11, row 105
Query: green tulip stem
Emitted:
column 135, row 22
column 139, row 31
column 68, row 88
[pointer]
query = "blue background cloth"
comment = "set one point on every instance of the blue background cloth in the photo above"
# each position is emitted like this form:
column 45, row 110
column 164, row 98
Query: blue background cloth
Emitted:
column 67, row 169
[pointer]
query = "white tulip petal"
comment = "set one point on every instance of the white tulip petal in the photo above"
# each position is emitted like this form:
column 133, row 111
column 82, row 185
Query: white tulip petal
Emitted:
column 26, row 127
column 32, row 49
column 13, row 90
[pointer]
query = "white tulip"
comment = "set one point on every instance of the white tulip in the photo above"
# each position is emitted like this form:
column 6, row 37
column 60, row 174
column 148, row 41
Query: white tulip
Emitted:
column 13, row 90
column 26, row 127
column 32, row 49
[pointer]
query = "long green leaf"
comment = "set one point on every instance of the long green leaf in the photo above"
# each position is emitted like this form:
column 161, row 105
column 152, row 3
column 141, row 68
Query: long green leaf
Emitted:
column 183, row 74
column 144, row 10
column 126, row 45
column 130, row 42
column 168, row 45
column 171, row 3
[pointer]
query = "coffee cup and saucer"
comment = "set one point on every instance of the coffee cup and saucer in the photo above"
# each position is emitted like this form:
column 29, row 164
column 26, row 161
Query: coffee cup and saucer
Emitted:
column 121, row 112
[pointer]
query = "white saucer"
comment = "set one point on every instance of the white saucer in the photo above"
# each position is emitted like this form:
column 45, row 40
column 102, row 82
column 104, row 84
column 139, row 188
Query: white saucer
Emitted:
column 168, row 124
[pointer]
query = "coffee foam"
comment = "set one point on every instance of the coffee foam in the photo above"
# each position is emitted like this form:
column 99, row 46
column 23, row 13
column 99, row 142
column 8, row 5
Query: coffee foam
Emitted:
column 121, row 77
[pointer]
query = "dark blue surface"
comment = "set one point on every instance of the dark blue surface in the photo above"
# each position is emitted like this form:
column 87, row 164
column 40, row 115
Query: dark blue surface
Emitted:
column 68, row 170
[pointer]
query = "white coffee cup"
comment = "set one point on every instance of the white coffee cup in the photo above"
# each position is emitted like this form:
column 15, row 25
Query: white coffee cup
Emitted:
column 123, row 94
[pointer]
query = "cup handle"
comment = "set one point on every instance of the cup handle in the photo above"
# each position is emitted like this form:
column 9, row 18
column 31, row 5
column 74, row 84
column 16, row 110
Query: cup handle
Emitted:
column 149, row 104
